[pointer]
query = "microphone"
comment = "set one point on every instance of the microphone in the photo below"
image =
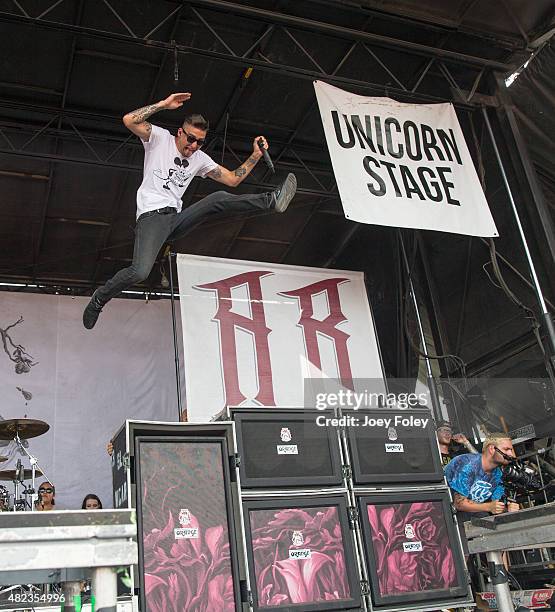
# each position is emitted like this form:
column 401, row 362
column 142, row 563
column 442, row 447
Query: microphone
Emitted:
column 266, row 155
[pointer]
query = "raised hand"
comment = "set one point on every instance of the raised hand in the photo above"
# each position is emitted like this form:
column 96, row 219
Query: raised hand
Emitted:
column 175, row 100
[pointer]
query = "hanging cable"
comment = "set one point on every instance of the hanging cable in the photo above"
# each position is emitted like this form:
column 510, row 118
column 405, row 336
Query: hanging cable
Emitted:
column 461, row 365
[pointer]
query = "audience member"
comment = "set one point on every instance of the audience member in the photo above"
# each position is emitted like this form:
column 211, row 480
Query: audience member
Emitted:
column 46, row 500
column 451, row 445
column 91, row 502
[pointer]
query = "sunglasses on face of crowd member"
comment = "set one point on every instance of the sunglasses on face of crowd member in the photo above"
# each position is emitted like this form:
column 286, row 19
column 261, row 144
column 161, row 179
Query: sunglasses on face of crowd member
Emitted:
column 192, row 139
column 46, row 490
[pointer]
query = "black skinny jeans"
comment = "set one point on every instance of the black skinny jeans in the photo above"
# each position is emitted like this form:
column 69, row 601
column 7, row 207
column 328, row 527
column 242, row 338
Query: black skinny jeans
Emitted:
column 153, row 230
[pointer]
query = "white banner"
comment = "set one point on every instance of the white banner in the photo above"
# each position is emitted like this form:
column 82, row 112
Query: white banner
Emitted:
column 84, row 384
column 253, row 332
column 402, row 165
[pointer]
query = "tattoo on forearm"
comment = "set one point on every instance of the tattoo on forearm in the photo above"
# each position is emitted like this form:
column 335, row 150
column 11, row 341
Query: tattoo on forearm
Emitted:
column 216, row 173
column 246, row 167
column 459, row 499
column 141, row 114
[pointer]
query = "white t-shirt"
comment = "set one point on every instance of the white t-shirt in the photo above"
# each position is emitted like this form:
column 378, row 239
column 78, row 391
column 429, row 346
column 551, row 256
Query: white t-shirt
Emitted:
column 166, row 173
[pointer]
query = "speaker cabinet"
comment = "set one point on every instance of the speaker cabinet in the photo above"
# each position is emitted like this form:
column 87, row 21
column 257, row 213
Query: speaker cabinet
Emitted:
column 286, row 448
column 181, row 479
column 186, row 530
column 301, row 554
column 393, row 446
column 412, row 549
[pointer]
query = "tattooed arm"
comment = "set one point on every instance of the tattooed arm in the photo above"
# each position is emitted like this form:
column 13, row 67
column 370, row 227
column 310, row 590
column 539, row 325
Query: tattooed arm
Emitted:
column 232, row 178
column 464, row 504
column 136, row 120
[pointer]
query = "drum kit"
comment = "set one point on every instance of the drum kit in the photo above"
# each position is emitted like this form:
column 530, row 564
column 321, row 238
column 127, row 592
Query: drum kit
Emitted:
column 25, row 495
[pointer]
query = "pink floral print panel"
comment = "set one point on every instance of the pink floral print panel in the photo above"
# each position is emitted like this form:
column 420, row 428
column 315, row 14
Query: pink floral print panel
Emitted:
column 411, row 547
column 187, row 562
column 299, row 556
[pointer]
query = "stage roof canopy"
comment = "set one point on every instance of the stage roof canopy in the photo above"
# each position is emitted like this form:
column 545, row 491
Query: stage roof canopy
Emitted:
column 69, row 169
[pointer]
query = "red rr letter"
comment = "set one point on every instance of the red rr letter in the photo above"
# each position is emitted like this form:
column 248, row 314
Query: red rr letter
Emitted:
column 228, row 321
column 327, row 327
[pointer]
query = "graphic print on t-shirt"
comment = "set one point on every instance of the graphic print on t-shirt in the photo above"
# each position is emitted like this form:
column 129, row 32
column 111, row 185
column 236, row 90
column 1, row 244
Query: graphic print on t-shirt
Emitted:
column 480, row 491
column 178, row 176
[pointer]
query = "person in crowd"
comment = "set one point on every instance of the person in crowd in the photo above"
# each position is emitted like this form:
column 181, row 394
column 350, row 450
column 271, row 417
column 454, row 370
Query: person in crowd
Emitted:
column 46, row 500
column 477, row 479
column 91, row 502
column 450, row 445
column 170, row 164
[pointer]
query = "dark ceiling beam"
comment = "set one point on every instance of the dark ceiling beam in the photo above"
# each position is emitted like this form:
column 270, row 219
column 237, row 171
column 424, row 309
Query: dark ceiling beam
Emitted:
column 481, row 364
column 265, row 65
column 113, row 57
column 137, row 168
column 129, row 144
column 92, row 161
column 313, row 210
column 52, row 169
column 345, row 33
column 31, row 88
column 432, row 23
column 25, row 175
column 105, row 133
column 349, row 234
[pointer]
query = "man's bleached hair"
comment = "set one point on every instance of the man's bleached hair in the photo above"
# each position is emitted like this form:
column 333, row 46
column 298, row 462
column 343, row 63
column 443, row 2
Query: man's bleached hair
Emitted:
column 494, row 439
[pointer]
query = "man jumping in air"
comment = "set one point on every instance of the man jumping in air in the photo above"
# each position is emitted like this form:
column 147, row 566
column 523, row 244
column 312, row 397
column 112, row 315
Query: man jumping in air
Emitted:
column 171, row 163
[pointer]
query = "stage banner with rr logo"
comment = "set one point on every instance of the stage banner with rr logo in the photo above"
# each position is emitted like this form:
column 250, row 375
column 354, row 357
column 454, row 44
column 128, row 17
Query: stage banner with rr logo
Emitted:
column 402, row 165
column 253, row 333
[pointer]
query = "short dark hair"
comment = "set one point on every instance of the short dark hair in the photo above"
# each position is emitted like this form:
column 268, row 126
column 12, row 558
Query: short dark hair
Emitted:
column 197, row 121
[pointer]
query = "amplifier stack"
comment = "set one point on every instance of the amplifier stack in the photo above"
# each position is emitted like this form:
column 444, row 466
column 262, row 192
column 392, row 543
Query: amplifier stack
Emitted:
column 271, row 510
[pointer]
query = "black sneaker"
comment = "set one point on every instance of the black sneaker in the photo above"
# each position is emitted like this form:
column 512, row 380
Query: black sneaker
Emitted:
column 92, row 312
column 284, row 193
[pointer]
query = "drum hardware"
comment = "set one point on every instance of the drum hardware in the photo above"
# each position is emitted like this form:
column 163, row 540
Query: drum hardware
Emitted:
column 19, row 430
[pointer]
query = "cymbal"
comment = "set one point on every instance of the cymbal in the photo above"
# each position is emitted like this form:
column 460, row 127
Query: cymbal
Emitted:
column 10, row 474
column 26, row 428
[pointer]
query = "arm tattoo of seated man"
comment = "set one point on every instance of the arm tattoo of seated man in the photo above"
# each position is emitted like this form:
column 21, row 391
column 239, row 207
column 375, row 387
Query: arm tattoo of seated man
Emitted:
column 141, row 114
column 458, row 498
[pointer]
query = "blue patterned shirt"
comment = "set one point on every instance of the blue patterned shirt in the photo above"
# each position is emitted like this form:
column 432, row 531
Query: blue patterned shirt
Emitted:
column 465, row 475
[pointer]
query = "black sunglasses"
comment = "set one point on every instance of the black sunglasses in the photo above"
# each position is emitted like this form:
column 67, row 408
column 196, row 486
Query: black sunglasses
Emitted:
column 46, row 490
column 192, row 139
